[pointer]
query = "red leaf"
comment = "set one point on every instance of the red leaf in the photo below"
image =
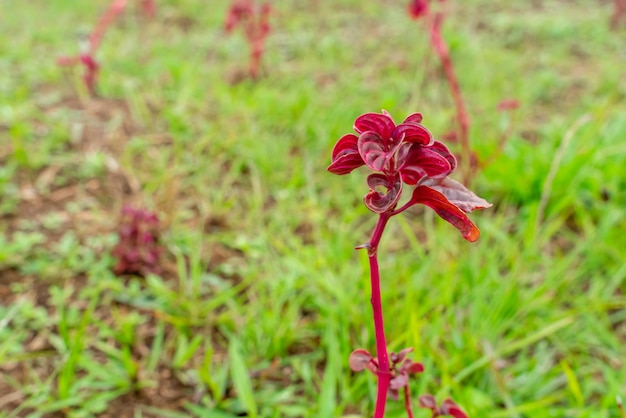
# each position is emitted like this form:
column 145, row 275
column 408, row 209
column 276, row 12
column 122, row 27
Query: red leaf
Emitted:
column 373, row 151
column 415, row 368
column 457, row 194
column 449, row 407
column 345, row 164
column 413, row 133
column 446, row 210
column 399, row 381
column 384, row 112
column 423, row 162
column 427, row 401
column 345, row 156
column 381, row 202
column 414, row 117
column 442, row 150
column 360, row 359
column 382, row 124
column 402, row 354
column 345, row 145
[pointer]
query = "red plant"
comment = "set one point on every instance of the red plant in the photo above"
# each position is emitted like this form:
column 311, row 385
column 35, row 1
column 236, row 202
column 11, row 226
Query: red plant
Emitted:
column 619, row 11
column 420, row 8
column 254, row 21
column 88, row 49
column 116, row 8
column 404, row 155
column 86, row 59
column 138, row 250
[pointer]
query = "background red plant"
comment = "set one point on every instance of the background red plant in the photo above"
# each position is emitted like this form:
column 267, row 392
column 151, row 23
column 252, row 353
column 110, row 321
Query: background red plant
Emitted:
column 254, row 21
column 89, row 47
column 138, row 250
column 619, row 11
column 421, row 9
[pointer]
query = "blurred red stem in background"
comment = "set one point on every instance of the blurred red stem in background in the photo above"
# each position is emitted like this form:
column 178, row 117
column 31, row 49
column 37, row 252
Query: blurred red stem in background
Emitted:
column 89, row 48
column 619, row 10
column 441, row 48
column 115, row 9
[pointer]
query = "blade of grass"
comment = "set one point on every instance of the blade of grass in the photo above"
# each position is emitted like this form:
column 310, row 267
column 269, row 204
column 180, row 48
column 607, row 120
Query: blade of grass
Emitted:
column 512, row 347
column 241, row 378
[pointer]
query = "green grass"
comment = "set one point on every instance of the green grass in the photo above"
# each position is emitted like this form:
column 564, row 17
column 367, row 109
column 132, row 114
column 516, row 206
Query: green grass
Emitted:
column 264, row 297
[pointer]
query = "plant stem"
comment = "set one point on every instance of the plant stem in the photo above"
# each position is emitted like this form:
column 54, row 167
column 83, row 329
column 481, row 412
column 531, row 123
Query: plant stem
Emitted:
column 115, row 9
column 441, row 48
column 384, row 371
column 407, row 402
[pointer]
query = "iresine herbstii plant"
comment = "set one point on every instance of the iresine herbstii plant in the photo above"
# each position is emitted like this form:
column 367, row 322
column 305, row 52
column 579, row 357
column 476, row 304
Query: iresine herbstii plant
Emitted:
column 401, row 156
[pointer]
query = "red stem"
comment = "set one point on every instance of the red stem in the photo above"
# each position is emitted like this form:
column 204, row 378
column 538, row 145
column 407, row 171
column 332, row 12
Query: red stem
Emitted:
column 115, row 9
column 384, row 370
column 407, row 402
column 441, row 48
column 619, row 10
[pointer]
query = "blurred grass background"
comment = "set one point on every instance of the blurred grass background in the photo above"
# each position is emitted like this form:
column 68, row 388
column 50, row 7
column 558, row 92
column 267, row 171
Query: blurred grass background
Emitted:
column 262, row 297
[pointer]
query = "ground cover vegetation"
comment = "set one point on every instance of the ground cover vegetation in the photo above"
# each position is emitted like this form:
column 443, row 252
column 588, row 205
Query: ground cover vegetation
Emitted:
column 172, row 245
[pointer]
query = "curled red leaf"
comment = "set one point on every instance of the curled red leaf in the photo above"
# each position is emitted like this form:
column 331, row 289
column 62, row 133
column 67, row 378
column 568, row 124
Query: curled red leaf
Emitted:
column 380, row 202
column 446, row 210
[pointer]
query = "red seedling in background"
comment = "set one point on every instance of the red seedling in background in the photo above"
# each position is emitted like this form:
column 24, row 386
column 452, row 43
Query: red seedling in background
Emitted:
column 116, row 8
column 254, row 21
column 86, row 59
column 404, row 156
column 619, row 11
column 89, row 47
column 138, row 250
column 420, row 8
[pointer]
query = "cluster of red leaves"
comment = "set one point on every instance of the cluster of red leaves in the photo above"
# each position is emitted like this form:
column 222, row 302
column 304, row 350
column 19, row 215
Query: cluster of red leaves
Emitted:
column 406, row 155
column 401, row 369
column 254, row 21
column 138, row 250
column 89, row 47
